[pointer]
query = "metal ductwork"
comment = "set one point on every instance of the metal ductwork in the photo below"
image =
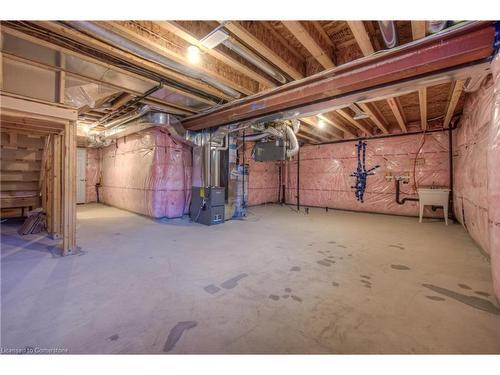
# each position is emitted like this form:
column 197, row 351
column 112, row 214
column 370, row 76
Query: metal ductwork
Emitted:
column 388, row 31
column 281, row 131
column 142, row 110
column 143, row 118
column 251, row 57
column 118, row 40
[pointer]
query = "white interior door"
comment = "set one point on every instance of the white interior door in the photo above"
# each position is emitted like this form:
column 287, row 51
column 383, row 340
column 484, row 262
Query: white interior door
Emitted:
column 81, row 177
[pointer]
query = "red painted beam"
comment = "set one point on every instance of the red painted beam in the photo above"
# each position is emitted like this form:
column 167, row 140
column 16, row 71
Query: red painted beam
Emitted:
column 468, row 44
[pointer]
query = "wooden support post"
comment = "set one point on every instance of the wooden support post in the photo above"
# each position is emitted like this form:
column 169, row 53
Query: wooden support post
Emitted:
column 69, row 189
column 61, row 78
column 55, row 188
column 422, row 100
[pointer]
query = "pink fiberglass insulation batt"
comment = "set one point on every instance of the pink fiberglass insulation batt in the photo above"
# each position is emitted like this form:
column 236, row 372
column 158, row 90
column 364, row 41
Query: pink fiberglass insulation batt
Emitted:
column 494, row 178
column 148, row 173
column 325, row 171
column 470, row 164
column 93, row 172
column 477, row 169
column 263, row 179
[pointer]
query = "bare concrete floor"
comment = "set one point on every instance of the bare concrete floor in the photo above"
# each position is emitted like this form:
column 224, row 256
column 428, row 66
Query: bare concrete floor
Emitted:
column 280, row 282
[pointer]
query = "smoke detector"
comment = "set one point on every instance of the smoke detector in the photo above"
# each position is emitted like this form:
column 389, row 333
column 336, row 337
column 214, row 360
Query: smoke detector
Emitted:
column 214, row 38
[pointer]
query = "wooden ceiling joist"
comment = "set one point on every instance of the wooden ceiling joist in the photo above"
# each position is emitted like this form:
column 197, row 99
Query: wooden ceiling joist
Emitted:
column 175, row 108
column 440, row 59
column 350, row 120
column 308, row 138
column 418, row 29
column 269, row 25
column 92, row 60
column 312, row 45
column 181, row 32
column 371, row 110
column 398, row 113
column 456, row 91
column 242, row 85
column 362, row 38
column 249, row 39
column 138, row 61
column 323, row 33
column 329, row 119
column 121, row 100
column 422, row 101
column 322, row 130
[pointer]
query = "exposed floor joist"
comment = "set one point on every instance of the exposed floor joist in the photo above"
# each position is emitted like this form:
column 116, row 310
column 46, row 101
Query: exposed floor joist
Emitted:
column 422, row 101
column 362, row 38
column 336, row 124
column 92, row 60
column 418, row 29
column 350, row 120
column 243, row 34
column 304, row 37
column 321, row 131
column 175, row 56
column 174, row 108
column 385, row 74
column 398, row 113
column 119, row 53
column 371, row 110
column 307, row 138
column 456, row 91
column 181, row 32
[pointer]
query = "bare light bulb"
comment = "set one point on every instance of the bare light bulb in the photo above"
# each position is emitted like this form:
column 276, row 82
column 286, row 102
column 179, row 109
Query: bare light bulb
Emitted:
column 193, row 54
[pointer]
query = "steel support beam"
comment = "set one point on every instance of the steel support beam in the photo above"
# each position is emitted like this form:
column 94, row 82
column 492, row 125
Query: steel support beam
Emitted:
column 457, row 47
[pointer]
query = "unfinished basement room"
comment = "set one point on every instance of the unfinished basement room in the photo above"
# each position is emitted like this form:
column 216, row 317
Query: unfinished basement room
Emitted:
column 250, row 187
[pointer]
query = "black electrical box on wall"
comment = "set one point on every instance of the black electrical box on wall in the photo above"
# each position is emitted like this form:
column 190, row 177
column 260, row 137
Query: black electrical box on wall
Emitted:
column 269, row 151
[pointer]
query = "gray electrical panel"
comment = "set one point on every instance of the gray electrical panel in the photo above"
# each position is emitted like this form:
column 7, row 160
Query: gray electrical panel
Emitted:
column 207, row 205
column 269, row 151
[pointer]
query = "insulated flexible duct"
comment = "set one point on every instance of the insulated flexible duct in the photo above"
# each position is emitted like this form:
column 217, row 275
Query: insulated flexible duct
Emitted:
column 118, row 40
column 294, row 144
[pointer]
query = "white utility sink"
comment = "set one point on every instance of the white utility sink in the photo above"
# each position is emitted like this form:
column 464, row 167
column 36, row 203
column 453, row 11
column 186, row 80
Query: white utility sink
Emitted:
column 434, row 197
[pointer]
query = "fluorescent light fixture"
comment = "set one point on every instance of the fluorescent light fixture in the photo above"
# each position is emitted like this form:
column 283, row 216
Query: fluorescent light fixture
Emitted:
column 193, row 54
column 215, row 38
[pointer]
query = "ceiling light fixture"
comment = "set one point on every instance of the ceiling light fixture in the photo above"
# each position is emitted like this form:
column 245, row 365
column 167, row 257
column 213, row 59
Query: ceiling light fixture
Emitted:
column 214, row 38
column 193, row 54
